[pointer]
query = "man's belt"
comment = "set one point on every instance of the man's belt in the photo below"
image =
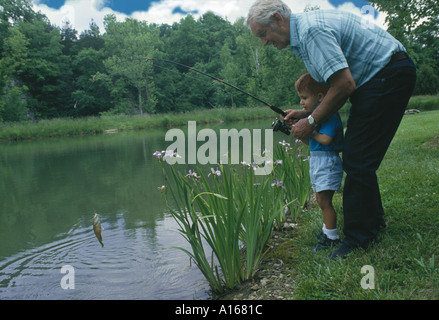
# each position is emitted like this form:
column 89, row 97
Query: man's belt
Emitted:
column 398, row 57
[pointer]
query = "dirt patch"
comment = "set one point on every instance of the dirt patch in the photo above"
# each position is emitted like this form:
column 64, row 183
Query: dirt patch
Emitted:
column 432, row 143
column 273, row 280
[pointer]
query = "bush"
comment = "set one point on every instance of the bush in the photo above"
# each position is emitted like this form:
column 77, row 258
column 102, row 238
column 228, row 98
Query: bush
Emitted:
column 14, row 106
column 427, row 81
column 424, row 103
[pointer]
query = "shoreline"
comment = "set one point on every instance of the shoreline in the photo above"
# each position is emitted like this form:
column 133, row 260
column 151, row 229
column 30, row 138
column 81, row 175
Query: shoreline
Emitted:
column 66, row 127
column 274, row 280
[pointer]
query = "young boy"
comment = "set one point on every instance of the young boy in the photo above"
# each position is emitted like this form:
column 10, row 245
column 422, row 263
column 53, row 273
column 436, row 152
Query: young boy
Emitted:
column 326, row 171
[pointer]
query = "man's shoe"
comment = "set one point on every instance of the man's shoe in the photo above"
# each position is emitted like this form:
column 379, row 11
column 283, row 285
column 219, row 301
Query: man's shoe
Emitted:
column 382, row 224
column 326, row 243
column 342, row 251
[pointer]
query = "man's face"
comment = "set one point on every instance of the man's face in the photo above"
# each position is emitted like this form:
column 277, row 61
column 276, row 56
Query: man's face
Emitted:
column 277, row 35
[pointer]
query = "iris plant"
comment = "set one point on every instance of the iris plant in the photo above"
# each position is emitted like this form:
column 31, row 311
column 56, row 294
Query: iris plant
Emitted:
column 228, row 215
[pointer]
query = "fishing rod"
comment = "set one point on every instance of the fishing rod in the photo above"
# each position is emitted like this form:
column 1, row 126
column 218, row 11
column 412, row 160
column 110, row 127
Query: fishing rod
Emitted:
column 275, row 109
column 277, row 125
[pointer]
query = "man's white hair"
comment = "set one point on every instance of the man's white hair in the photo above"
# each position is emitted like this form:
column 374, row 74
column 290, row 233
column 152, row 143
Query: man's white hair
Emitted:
column 262, row 11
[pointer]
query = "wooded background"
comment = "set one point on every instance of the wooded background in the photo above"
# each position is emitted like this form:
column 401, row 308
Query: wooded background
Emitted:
column 53, row 72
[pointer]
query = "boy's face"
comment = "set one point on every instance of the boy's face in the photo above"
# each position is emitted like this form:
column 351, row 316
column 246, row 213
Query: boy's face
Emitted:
column 309, row 101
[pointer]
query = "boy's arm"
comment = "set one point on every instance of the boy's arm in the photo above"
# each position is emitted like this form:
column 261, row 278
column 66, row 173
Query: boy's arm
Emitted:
column 306, row 141
column 321, row 138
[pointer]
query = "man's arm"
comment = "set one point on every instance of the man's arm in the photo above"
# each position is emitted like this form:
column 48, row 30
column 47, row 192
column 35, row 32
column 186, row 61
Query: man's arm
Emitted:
column 342, row 85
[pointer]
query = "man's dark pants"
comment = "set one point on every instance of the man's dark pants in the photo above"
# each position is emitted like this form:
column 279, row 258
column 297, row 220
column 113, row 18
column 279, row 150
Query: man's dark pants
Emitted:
column 377, row 109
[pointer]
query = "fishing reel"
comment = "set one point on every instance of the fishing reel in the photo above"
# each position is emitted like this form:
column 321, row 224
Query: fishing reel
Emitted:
column 278, row 125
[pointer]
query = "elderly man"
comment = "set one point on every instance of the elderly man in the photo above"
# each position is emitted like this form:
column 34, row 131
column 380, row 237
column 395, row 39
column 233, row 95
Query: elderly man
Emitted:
column 357, row 61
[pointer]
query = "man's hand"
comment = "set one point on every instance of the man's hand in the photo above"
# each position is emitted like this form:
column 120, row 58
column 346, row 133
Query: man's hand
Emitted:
column 341, row 86
column 293, row 116
column 302, row 129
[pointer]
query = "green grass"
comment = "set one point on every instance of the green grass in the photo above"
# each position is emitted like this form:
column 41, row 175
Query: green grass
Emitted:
column 424, row 103
column 97, row 125
column 406, row 259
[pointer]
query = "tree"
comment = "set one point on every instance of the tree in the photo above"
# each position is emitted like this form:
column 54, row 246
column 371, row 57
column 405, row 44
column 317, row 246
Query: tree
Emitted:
column 12, row 11
column 68, row 39
column 13, row 44
column 16, row 10
column 428, row 80
column 91, row 96
column 46, row 72
column 13, row 103
column 279, row 72
column 128, row 45
column 188, row 42
column 407, row 18
column 416, row 24
column 91, row 38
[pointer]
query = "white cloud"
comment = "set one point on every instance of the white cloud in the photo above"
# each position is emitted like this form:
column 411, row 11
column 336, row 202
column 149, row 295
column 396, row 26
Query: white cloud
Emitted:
column 81, row 12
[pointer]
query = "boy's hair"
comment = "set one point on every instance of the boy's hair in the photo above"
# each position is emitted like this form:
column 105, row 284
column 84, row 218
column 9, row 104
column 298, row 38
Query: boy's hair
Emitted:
column 307, row 83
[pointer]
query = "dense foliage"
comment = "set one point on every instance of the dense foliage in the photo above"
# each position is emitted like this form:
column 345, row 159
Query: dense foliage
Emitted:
column 48, row 72
column 416, row 24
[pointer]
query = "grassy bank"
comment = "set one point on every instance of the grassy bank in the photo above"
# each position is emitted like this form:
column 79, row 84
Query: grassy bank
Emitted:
column 424, row 103
column 98, row 125
column 406, row 259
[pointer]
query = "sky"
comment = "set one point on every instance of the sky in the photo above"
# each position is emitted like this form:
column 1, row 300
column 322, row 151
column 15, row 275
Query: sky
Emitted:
column 81, row 12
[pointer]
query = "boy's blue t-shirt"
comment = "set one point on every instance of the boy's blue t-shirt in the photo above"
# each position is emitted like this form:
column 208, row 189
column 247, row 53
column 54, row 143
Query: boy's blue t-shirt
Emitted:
column 333, row 128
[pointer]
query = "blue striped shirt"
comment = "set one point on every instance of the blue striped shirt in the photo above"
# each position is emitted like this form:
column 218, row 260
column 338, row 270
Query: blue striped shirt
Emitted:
column 330, row 40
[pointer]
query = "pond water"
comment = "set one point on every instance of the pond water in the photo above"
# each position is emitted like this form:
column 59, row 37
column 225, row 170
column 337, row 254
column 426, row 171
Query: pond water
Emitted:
column 49, row 191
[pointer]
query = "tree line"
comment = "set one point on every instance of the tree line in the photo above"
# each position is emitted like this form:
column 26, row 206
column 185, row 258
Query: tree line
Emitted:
column 48, row 71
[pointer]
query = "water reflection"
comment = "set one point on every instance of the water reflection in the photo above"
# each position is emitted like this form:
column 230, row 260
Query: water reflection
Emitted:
column 48, row 185
column 134, row 264
column 49, row 191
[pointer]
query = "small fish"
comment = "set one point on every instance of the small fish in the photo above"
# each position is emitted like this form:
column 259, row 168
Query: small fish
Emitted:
column 97, row 228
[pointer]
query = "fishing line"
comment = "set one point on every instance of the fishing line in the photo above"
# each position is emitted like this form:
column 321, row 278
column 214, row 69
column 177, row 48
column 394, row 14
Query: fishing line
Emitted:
column 186, row 75
column 176, row 72
column 277, row 125
column 275, row 109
